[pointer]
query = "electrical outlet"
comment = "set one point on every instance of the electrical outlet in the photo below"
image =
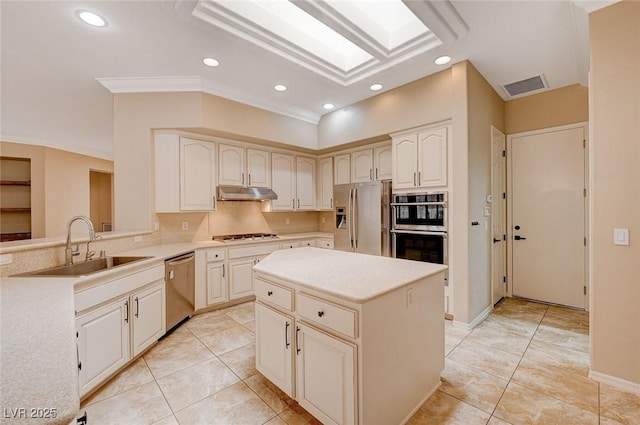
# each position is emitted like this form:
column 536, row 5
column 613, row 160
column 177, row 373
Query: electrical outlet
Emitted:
column 409, row 297
column 185, row 225
column 156, row 226
column 324, row 220
column 6, row 259
column 287, row 220
column 137, row 238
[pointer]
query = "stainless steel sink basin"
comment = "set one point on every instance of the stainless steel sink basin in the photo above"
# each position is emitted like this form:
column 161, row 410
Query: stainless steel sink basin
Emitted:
column 85, row 268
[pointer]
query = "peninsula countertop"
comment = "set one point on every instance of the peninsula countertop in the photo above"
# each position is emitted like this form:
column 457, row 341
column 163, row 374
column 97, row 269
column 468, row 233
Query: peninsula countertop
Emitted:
column 351, row 276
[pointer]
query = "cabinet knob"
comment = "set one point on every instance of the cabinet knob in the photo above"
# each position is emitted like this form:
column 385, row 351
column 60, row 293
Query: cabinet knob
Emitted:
column 320, row 313
column 269, row 293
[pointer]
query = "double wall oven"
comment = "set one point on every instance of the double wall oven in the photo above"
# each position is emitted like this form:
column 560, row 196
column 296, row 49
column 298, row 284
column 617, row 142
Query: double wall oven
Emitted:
column 419, row 226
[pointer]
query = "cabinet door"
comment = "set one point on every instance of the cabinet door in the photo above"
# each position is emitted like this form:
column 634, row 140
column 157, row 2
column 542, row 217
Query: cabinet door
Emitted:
column 258, row 168
column 325, row 376
column 283, row 181
column 325, row 183
column 216, row 283
column 432, row 157
column 342, row 169
column 405, row 172
column 274, row 347
column 103, row 343
column 362, row 166
column 382, row 162
column 149, row 322
column 231, row 165
column 241, row 278
column 305, row 183
column 197, row 175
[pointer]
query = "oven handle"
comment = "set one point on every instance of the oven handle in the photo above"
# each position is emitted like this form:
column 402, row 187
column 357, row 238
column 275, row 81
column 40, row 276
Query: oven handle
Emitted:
column 418, row 232
column 401, row 204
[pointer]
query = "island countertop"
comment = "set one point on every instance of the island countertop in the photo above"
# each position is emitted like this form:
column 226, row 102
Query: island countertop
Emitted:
column 351, row 276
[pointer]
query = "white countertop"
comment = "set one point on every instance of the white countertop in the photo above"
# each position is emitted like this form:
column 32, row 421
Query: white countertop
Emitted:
column 351, row 276
column 38, row 354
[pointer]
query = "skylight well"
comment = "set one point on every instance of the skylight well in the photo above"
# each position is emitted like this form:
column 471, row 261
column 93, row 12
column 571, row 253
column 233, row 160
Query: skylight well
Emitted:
column 345, row 41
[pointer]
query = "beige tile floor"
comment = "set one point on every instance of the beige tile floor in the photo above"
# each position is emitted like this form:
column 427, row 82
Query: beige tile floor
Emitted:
column 527, row 363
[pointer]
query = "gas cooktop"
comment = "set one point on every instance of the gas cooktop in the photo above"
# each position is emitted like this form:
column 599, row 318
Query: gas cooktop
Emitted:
column 245, row 237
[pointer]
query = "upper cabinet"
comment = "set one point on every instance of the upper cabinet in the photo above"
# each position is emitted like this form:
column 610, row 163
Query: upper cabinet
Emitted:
column 185, row 174
column 362, row 166
column 293, row 179
column 325, row 183
column 382, row 162
column 240, row 166
column 420, row 159
column 342, row 169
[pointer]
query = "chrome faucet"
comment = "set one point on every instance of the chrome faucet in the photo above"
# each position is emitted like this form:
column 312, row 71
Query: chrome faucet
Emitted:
column 69, row 253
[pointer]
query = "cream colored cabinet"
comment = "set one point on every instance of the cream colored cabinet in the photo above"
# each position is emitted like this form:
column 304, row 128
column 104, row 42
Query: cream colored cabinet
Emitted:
column 289, row 245
column 274, row 346
column 305, row 183
column 382, row 163
column 325, row 183
column 293, row 180
column 129, row 318
column 420, row 159
column 308, row 242
column 103, row 343
column 324, row 243
column 149, row 320
column 362, row 166
column 244, row 167
column 325, row 376
column 185, row 174
column 216, row 275
column 241, row 277
column 342, row 169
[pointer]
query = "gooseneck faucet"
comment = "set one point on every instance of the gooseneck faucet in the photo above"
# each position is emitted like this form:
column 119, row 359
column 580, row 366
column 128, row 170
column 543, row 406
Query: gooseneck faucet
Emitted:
column 69, row 252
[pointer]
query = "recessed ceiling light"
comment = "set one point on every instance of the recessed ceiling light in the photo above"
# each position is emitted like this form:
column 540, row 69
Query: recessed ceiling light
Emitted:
column 443, row 60
column 376, row 87
column 91, row 18
column 328, row 106
column 210, row 62
column 280, row 87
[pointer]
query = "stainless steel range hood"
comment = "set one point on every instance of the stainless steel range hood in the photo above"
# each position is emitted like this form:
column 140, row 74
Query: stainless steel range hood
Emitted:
column 237, row 193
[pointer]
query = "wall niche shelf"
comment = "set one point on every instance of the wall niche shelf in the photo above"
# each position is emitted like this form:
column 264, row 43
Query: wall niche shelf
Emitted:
column 15, row 199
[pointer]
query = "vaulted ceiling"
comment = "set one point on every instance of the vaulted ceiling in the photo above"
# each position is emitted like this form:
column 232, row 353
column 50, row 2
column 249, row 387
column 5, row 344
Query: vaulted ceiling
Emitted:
column 58, row 73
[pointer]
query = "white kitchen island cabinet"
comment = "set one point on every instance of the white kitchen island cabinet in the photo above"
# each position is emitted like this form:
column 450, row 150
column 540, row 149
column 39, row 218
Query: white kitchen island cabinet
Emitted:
column 355, row 339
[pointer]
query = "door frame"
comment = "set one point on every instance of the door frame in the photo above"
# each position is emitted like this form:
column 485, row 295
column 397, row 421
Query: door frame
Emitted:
column 585, row 126
column 494, row 196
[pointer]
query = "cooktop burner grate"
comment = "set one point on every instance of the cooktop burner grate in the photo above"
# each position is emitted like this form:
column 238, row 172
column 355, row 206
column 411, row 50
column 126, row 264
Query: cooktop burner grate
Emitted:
column 245, row 237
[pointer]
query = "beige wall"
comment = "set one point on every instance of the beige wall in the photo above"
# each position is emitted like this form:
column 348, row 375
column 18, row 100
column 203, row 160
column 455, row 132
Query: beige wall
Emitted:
column 566, row 105
column 59, row 185
column 101, row 198
column 485, row 108
column 615, row 191
column 424, row 101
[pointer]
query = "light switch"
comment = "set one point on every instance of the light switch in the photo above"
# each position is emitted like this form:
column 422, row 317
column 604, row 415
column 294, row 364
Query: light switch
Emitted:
column 621, row 236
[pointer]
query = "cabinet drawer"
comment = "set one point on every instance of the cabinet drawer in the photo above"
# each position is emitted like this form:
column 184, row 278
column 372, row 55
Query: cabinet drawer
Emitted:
column 308, row 242
column 338, row 318
column 274, row 294
column 215, row 254
column 253, row 250
column 325, row 243
column 289, row 245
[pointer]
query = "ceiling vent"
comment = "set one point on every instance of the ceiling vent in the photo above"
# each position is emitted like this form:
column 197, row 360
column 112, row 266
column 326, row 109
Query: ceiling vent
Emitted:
column 525, row 86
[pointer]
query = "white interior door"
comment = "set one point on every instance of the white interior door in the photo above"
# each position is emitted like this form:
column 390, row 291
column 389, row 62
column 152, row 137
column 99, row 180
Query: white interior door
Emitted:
column 498, row 215
column 548, row 216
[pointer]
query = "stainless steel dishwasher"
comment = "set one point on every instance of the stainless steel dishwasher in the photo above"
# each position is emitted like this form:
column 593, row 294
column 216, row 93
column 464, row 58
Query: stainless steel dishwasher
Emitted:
column 180, row 288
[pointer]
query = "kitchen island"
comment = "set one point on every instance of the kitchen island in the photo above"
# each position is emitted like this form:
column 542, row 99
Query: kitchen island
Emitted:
column 355, row 339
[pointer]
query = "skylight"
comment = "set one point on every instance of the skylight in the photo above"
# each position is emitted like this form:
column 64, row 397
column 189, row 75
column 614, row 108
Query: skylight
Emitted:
column 345, row 41
column 293, row 24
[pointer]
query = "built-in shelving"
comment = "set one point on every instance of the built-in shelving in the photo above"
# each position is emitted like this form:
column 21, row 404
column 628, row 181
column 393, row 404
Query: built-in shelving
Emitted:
column 15, row 199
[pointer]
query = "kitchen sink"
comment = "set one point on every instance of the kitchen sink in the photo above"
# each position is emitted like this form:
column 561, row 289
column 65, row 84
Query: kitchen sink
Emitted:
column 87, row 267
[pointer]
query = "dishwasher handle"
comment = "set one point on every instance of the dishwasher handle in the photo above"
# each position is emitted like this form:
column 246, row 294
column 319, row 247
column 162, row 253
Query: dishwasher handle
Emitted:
column 180, row 260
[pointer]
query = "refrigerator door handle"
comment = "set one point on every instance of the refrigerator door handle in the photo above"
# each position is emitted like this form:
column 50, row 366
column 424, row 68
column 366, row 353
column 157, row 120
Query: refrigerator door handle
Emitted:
column 349, row 217
column 355, row 217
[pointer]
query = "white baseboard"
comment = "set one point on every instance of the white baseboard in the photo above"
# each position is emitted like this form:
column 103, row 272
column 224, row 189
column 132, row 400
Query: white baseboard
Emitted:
column 475, row 322
column 621, row 384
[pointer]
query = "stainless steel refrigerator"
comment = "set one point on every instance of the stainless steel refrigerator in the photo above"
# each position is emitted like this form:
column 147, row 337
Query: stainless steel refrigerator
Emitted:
column 362, row 217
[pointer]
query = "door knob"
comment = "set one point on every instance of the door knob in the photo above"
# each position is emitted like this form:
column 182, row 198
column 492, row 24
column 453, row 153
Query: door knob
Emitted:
column 519, row 238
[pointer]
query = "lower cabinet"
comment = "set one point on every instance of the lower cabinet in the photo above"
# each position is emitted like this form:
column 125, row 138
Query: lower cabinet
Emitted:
column 111, row 335
column 274, row 347
column 241, row 277
column 325, row 376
